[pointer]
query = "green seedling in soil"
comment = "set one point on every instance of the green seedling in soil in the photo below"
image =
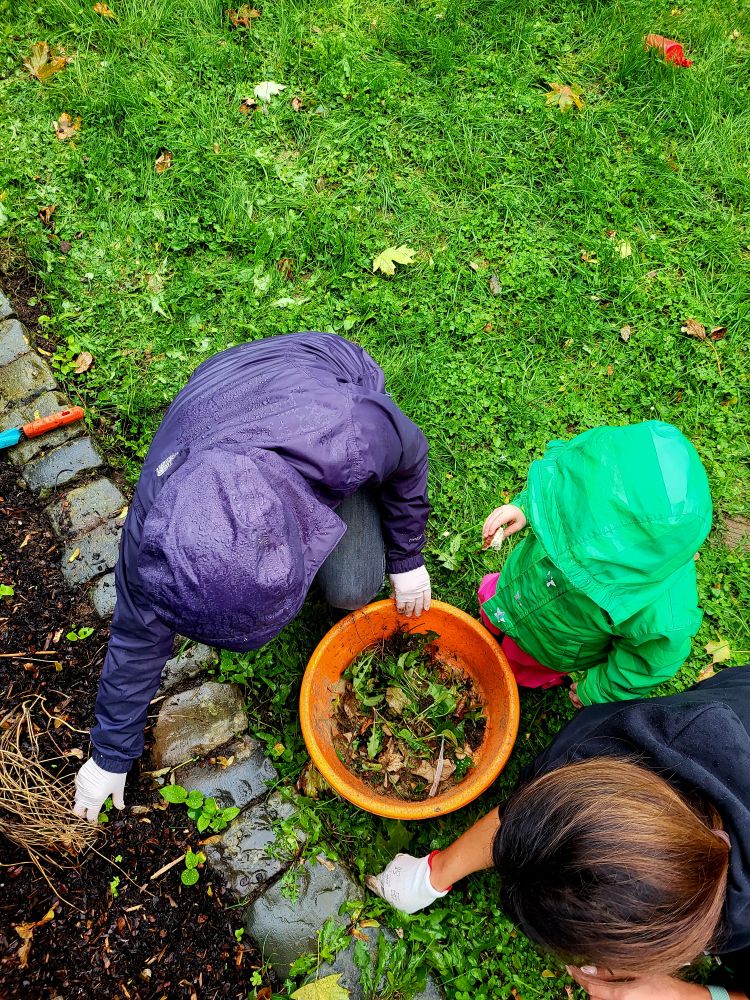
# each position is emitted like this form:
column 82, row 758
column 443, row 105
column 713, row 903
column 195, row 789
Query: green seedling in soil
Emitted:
column 203, row 810
column 193, row 860
column 6, row 591
column 103, row 816
column 407, row 721
column 113, row 886
column 80, row 634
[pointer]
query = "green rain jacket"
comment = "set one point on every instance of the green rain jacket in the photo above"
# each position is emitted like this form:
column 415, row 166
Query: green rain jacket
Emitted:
column 605, row 581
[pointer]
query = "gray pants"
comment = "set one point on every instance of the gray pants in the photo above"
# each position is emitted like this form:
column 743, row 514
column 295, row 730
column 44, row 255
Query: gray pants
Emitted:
column 353, row 573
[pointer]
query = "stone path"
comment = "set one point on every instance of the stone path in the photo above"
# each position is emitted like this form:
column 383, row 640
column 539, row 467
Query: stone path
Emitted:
column 196, row 724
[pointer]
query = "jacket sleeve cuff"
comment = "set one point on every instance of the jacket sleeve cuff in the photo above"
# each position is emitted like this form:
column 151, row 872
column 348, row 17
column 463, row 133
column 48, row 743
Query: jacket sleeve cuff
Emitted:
column 113, row 764
column 405, row 564
column 520, row 500
column 588, row 690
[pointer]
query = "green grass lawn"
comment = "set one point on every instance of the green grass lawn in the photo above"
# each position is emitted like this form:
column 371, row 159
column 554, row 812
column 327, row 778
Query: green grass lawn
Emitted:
column 423, row 124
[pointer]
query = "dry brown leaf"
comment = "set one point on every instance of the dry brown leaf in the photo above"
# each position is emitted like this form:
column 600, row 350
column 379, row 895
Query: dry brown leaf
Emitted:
column 296, row 104
column 45, row 61
column 66, row 127
column 45, row 215
column 26, row 934
column 243, row 16
column 104, row 11
column 706, row 673
column 163, row 162
column 718, row 333
column 248, row 105
column 625, row 332
column 396, row 699
column 694, row 329
column 285, row 268
column 83, row 362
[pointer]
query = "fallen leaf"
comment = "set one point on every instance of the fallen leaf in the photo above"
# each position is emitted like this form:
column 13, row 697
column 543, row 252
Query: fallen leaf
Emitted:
column 75, row 555
column 248, row 105
column 243, row 17
column 718, row 650
column 326, row 988
column 296, row 104
column 163, row 162
column 624, row 249
column 268, row 89
column 488, row 328
column 311, row 782
column 589, row 258
column 494, row 285
column 625, row 332
column 103, row 10
column 387, row 260
column 284, row 267
column 83, row 362
column 216, row 148
column 706, row 673
column 694, row 329
column 718, row 333
column 26, row 933
column 565, row 97
column 45, row 215
column 610, row 370
column 396, row 700
column 45, row 61
column 66, row 127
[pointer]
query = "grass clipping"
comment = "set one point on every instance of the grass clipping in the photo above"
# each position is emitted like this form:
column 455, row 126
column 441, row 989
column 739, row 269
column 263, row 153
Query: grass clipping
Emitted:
column 405, row 721
column 35, row 805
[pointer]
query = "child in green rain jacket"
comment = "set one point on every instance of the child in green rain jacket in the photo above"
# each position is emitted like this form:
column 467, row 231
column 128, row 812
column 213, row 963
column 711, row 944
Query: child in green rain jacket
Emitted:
column 605, row 580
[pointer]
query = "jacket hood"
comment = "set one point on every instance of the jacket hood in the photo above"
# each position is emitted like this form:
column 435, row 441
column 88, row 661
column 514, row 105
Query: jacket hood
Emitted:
column 619, row 510
column 231, row 545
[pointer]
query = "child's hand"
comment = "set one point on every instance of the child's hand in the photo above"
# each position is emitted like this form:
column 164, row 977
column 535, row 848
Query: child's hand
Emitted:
column 508, row 517
column 573, row 695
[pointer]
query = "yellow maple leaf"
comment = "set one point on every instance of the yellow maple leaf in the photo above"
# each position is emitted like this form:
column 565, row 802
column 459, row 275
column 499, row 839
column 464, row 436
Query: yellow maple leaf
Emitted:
column 104, row 11
column 322, row 989
column 387, row 260
column 565, row 96
column 45, row 61
column 66, row 127
column 718, row 650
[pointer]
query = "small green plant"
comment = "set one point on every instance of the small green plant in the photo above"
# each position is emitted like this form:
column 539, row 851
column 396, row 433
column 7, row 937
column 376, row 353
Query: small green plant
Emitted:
column 103, row 816
column 82, row 633
column 6, row 591
column 113, row 886
column 239, row 934
column 204, row 811
column 193, row 860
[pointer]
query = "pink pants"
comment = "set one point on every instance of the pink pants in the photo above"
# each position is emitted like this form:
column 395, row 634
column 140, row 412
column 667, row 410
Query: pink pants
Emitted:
column 529, row 673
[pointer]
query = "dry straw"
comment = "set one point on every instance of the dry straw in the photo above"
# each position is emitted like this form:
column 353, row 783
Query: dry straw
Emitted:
column 35, row 805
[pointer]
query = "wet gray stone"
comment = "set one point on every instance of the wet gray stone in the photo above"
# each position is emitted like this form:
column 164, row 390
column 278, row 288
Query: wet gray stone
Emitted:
column 351, row 977
column 282, row 929
column 195, row 722
column 13, row 341
column 85, row 507
column 43, row 406
column 6, row 309
column 62, row 464
column 24, row 379
column 244, row 853
column 104, row 596
column 187, row 665
column 98, row 551
column 247, row 778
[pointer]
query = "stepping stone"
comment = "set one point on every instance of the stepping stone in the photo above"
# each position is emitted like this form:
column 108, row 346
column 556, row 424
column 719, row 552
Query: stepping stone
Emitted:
column 283, row 929
column 13, row 340
column 187, row 665
column 47, row 403
column 97, row 551
column 243, row 853
column 23, row 380
column 237, row 784
column 85, row 507
column 6, row 309
column 195, row 722
column 62, row 464
column 104, row 596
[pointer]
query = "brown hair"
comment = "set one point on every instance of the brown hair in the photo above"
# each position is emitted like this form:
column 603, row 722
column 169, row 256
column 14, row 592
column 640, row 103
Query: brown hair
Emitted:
column 604, row 863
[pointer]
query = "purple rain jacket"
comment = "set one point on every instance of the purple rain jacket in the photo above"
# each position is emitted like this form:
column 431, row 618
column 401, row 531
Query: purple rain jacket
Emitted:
column 234, row 511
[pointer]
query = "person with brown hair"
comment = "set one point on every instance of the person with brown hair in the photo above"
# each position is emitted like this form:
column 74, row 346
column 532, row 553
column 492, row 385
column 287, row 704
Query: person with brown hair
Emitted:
column 624, row 848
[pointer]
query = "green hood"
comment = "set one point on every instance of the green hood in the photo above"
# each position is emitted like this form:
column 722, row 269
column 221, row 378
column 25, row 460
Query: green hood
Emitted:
column 619, row 509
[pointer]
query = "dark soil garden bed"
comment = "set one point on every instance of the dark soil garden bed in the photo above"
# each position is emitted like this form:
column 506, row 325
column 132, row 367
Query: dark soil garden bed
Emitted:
column 119, row 934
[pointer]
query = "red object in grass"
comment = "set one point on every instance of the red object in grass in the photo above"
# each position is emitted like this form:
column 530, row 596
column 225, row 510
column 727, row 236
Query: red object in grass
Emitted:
column 59, row 419
column 673, row 52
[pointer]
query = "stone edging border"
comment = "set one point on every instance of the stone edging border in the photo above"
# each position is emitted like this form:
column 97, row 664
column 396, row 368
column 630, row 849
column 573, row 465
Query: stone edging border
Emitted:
column 88, row 519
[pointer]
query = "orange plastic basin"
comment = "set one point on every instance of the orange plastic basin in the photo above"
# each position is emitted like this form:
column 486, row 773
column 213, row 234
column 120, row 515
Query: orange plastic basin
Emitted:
column 463, row 642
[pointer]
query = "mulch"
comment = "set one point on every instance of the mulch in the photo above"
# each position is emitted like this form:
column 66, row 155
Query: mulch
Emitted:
column 134, row 939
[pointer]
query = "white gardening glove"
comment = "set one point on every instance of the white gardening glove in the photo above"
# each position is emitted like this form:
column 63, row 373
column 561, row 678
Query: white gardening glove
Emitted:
column 93, row 786
column 412, row 591
column 405, row 884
